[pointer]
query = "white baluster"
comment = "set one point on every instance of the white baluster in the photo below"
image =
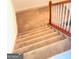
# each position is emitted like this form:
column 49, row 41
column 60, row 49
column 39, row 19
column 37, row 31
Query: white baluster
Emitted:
column 63, row 17
column 69, row 18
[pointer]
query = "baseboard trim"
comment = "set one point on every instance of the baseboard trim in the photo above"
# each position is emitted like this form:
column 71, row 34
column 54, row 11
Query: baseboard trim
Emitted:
column 31, row 8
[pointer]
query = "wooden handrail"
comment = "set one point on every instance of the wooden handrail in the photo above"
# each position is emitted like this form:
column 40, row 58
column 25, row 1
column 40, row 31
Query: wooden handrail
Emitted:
column 62, row 2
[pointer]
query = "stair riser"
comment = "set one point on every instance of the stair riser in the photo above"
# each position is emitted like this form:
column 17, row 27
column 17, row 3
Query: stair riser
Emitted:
column 32, row 33
column 33, row 30
column 33, row 36
column 25, row 43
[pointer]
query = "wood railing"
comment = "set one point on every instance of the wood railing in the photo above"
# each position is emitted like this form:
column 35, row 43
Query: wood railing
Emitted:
column 60, row 16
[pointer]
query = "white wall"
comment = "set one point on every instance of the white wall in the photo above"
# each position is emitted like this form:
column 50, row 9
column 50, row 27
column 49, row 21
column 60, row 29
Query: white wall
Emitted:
column 8, row 27
column 21, row 5
column 54, row 1
column 12, row 27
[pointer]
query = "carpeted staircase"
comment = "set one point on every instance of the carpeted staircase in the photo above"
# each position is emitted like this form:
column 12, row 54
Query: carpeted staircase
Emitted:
column 41, row 43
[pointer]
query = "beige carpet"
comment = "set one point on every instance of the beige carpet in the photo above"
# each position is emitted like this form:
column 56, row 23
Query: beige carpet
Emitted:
column 41, row 43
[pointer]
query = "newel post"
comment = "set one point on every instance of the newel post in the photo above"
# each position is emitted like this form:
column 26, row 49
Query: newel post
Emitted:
column 50, row 2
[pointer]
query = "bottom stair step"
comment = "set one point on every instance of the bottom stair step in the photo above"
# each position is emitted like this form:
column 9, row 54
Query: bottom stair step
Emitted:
column 49, row 50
